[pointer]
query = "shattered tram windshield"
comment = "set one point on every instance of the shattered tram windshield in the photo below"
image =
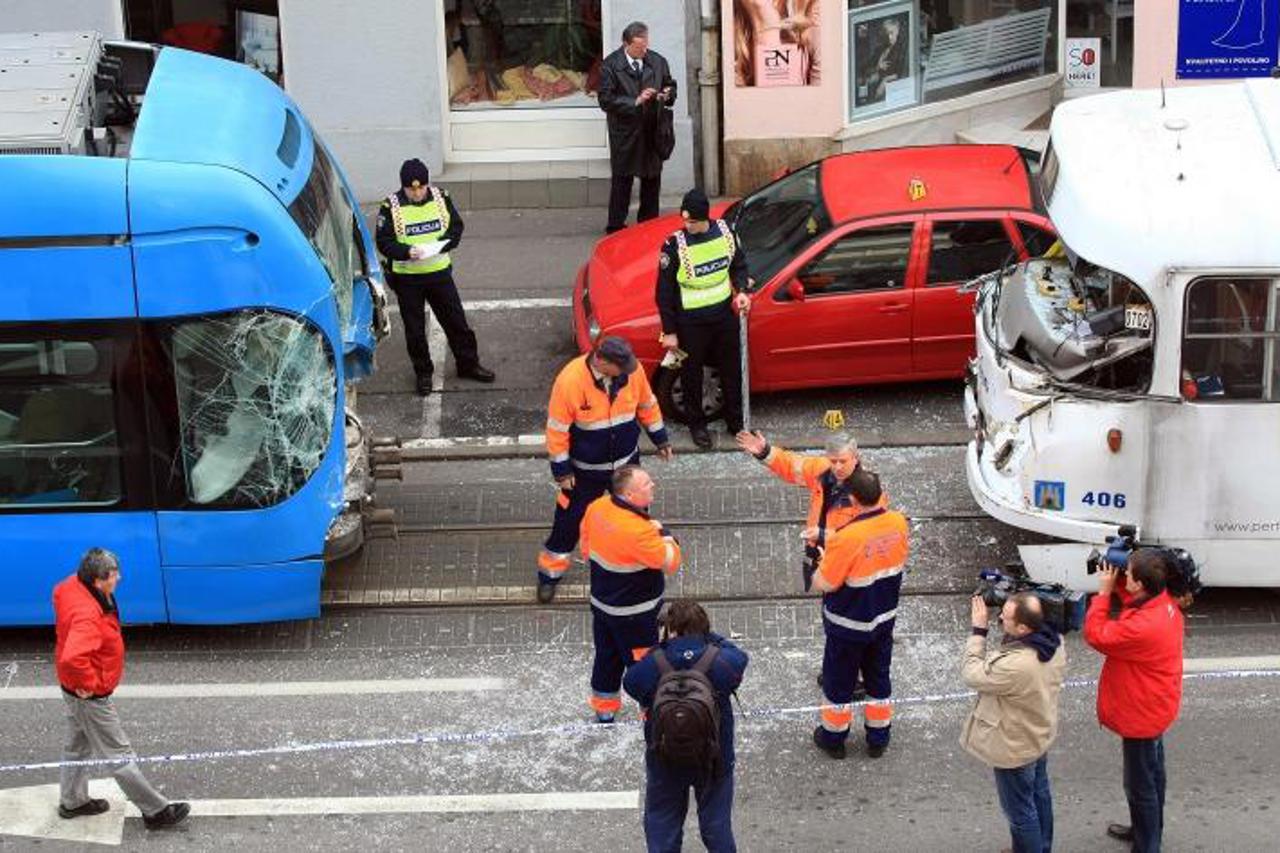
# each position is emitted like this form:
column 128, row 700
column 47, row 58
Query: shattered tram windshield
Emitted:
column 778, row 221
column 256, row 397
column 327, row 219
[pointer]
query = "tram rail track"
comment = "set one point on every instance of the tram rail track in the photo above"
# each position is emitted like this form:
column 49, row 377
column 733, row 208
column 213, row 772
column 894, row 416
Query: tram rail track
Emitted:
column 685, row 523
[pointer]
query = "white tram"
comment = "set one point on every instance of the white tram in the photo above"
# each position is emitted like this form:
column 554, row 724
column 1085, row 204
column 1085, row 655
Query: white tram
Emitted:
column 1131, row 376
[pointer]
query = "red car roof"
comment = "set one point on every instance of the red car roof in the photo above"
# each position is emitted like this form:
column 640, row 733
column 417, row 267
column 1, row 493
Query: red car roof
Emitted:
column 879, row 182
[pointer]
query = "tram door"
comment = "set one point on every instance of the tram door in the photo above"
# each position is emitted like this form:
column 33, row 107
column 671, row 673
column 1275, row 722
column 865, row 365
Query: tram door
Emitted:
column 74, row 472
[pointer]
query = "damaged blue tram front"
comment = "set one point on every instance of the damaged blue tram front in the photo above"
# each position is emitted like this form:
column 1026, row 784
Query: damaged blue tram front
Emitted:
column 183, row 306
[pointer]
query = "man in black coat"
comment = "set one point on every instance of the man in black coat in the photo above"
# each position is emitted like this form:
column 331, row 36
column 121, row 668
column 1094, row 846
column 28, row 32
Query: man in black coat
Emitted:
column 635, row 86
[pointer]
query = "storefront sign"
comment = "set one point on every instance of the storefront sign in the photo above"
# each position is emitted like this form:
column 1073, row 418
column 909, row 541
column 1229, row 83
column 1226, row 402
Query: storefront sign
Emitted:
column 1084, row 71
column 1227, row 38
column 775, row 43
column 883, row 57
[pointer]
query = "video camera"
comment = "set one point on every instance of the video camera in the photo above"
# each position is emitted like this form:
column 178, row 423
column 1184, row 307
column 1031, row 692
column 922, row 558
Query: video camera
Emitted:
column 1063, row 608
column 1182, row 576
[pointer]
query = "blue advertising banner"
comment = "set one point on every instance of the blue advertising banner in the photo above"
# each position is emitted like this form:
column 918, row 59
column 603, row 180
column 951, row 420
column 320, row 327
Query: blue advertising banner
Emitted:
column 1228, row 38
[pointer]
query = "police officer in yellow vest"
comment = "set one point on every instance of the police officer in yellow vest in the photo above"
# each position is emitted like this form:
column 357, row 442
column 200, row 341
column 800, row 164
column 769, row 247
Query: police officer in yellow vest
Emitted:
column 417, row 228
column 702, row 280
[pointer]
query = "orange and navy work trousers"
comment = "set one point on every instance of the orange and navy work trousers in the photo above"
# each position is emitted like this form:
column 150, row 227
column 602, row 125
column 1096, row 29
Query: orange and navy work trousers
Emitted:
column 553, row 560
column 842, row 663
column 620, row 641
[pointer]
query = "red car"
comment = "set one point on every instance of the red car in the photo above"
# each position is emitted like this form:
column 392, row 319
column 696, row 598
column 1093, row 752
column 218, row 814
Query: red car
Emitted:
column 856, row 263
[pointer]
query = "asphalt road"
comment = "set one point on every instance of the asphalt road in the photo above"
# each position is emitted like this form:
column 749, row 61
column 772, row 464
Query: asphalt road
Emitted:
column 438, row 720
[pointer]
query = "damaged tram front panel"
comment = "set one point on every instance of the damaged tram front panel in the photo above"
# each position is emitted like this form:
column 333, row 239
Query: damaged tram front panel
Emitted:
column 1130, row 376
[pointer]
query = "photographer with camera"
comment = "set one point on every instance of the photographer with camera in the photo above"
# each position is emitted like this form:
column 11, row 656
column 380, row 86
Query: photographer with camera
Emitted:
column 1141, row 686
column 1015, row 720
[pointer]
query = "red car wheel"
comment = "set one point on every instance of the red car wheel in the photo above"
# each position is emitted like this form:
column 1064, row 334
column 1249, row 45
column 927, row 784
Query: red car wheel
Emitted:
column 666, row 386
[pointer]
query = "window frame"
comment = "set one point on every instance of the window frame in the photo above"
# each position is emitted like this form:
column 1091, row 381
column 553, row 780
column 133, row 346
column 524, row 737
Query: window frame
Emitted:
column 911, row 223
column 1269, row 337
column 124, row 378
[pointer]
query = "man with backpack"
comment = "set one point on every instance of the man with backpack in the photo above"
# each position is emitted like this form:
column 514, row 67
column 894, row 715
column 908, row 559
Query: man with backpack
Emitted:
column 684, row 685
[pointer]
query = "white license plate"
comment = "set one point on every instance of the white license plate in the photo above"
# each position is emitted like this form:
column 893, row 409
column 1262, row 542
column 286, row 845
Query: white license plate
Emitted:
column 1137, row 317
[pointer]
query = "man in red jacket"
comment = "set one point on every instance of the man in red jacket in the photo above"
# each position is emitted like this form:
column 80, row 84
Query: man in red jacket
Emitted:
column 1141, row 685
column 89, row 659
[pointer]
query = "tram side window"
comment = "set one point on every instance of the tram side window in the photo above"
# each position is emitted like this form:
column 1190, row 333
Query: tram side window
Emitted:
column 58, row 441
column 1231, row 341
column 323, row 213
column 257, row 391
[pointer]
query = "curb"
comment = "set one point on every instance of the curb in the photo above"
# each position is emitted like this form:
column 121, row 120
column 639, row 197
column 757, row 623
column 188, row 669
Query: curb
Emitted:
column 531, row 446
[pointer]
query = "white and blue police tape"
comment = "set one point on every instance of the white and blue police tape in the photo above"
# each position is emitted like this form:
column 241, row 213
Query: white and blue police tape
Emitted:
column 494, row 735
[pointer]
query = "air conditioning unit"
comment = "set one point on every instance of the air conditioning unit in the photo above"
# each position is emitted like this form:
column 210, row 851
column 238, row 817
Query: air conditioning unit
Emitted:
column 47, row 91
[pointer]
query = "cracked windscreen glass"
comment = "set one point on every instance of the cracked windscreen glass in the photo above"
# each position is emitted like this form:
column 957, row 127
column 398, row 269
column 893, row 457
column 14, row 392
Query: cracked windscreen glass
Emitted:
column 256, row 398
column 327, row 219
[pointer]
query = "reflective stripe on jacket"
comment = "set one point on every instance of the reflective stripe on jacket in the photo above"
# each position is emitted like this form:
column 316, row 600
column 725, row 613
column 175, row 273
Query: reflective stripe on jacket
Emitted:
column 593, row 428
column 1140, row 690
column 628, row 554
column 89, row 654
column 864, row 561
column 703, row 273
column 420, row 225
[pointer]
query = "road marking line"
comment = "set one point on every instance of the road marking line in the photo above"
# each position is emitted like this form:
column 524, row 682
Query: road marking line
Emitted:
column 279, row 688
column 514, row 304
column 555, row 801
column 1239, row 664
column 32, row 811
column 432, row 404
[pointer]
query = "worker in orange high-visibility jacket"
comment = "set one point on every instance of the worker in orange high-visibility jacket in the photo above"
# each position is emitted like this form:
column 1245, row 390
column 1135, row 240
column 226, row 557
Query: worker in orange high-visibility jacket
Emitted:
column 860, row 576
column 630, row 555
column 831, row 501
column 598, row 405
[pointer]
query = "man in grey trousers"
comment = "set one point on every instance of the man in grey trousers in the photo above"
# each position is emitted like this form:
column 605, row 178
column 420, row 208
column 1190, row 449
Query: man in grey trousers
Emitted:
column 89, row 659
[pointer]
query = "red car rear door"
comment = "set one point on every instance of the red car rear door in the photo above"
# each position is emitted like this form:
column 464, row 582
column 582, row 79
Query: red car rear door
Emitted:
column 959, row 247
column 841, row 312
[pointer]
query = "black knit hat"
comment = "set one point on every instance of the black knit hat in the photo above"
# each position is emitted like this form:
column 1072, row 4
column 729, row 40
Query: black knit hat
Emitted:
column 414, row 173
column 696, row 205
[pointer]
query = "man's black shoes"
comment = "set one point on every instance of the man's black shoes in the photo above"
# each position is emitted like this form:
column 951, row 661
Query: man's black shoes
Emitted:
column 423, row 385
column 478, row 372
column 90, row 808
column 546, row 592
column 837, row 751
column 171, row 815
column 875, row 750
column 1120, row 832
column 701, row 437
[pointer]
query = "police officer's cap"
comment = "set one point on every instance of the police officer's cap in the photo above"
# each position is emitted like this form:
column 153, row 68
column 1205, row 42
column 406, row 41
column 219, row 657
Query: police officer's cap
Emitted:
column 413, row 173
column 618, row 352
column 695, row 204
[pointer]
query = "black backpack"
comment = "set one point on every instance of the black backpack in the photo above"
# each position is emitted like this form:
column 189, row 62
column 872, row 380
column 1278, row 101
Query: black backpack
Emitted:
column 685, row 715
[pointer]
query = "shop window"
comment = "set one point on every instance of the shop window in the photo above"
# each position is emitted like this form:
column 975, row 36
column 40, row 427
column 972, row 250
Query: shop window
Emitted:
column 908, row 52
column 256, row 395
column 247, row 31
column 1229, row 347
column 961, row 251
column 870, row 259
column 58, row 439
column 522, row 53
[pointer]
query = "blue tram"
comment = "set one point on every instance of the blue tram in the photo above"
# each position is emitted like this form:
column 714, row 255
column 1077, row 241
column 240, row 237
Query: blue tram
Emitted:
column 185, row 301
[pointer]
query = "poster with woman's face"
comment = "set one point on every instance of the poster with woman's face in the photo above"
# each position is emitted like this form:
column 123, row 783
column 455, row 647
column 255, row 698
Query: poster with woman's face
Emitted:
column 883, row 58
column 776, row 42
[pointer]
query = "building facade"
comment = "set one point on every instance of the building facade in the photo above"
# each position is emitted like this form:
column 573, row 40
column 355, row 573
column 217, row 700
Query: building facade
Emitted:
column 498, row 97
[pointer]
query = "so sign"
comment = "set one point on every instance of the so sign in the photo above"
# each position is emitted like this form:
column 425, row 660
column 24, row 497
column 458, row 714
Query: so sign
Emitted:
column 1083, row 69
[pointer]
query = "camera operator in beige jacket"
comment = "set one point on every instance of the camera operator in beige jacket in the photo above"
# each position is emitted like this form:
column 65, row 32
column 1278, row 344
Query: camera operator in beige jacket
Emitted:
column 1016, row 717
